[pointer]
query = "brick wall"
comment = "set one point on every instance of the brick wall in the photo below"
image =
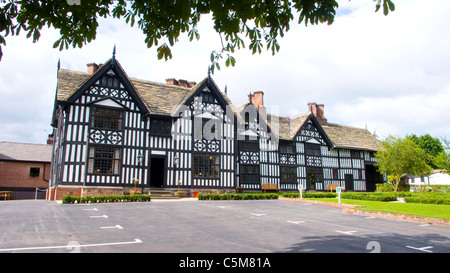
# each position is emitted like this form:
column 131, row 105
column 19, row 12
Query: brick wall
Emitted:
column 16, row 174
column 61, row 191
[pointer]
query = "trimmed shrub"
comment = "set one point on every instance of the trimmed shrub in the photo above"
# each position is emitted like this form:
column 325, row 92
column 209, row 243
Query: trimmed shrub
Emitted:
column 429, row 198
column 387, row 187
column 309, row 195
column 370, row 196
column 432, row 188
column 235, row 196
column 105, row 199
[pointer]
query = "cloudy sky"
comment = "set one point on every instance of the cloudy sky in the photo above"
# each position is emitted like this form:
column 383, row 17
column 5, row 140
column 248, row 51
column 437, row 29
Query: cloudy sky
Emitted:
column 390, row 74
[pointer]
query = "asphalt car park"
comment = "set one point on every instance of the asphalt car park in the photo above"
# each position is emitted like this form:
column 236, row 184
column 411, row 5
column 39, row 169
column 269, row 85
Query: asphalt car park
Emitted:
column 191, row 226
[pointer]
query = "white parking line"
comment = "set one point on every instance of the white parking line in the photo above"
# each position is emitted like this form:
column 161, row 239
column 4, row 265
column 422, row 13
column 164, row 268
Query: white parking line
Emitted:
column 116, row 226
column 425, row 248
column 100, row 216
column 346, row 232
column 295, row 222
column 136, row 241
column 94, row 209
column 258, row 214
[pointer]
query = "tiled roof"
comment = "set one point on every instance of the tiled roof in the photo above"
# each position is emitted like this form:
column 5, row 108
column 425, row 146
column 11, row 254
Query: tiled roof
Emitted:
column 163, row 99
column 351, row 137
column 25, row 152
column 341, row 136
column 159, row 98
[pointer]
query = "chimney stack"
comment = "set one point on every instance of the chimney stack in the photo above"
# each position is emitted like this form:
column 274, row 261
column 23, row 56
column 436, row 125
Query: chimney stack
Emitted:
column 50, row 139
column 257, row 99
column 318, row 111
column 92, row 68
column 182, row 83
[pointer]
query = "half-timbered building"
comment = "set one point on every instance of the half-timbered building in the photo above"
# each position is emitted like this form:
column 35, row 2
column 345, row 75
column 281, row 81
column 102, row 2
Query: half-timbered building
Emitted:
column 113, row 133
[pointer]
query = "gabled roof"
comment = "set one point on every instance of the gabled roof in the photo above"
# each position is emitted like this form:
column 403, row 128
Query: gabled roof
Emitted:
column 163, row 99
column 114, row 65
column 338, row 136
column 351, row 138
column 158, row 98
column 288, row 126
column 13, row 151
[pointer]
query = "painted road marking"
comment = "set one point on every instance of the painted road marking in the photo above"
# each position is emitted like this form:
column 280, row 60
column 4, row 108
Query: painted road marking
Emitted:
column 258, row 214
column 295, row 222
column 116, row 226
column 425, row 248
column 346, row 232
column 136, row 241
column 94, row 209
column 100, row 216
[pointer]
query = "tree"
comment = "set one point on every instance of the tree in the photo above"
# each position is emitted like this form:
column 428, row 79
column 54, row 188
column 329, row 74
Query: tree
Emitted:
column 432, row 147
column 400, row 156
column 260, row 22
column 442, row 160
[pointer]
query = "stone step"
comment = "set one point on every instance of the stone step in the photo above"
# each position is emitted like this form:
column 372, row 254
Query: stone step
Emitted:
column 162, row 194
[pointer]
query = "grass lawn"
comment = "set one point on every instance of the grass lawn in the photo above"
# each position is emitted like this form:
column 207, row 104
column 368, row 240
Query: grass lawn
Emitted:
column 426, row 210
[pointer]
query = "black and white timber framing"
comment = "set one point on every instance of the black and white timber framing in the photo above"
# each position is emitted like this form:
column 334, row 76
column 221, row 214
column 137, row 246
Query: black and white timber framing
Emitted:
column 113, row 131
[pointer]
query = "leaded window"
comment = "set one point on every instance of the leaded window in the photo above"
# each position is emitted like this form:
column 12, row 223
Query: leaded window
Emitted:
column 249, row 146
column 312, row 149
column 249, row 174
column 207, row 97
column 107, row 118
column 206, row 165
column 162, row 127
column 104, row 160
column 288, row 174
column 287, row 147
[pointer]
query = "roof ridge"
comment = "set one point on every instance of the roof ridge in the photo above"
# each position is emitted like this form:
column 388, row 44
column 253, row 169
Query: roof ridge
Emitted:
column 23, row 143
column 348, row 126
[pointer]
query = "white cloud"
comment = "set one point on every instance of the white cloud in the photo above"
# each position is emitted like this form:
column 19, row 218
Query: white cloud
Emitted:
column 390, row 72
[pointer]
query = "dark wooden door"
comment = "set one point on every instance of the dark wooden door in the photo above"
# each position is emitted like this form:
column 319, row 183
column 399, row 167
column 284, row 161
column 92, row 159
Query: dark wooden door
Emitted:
column 157, row 172
column 348, row 182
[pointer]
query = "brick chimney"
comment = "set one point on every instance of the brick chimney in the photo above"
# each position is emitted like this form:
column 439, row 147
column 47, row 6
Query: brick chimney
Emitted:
column 92, row 68
column 257, row 99
column 182, row 83
column 318, row 111
column 50, row 139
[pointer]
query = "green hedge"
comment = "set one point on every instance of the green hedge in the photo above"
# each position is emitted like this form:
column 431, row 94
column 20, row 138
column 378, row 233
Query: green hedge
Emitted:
column 370, row 196
column 105, row 199
column 236, row 196
column 309, row 195
column 388, row 187
column 429, row 198
column 432, row 188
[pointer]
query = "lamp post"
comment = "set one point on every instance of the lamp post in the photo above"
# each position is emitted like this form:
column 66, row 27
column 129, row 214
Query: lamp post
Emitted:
column 176, row 162
column 140, row 159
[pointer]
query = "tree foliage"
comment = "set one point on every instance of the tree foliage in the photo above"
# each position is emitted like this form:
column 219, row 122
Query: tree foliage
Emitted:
column 258, row 23
column 442, row 160
column 400, row 156
column 432, row 147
